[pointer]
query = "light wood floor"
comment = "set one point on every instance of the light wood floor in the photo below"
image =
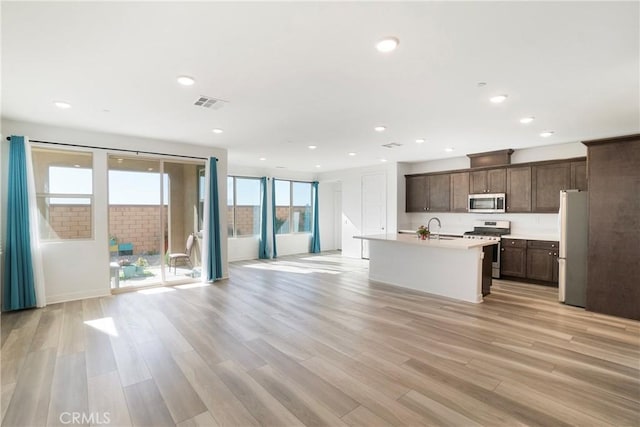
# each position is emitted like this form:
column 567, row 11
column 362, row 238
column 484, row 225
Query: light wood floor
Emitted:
column 310, row 341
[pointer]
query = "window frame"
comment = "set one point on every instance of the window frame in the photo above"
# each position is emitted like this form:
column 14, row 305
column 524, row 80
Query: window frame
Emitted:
column 291, row 205
column 234, row 234
column 43, row 195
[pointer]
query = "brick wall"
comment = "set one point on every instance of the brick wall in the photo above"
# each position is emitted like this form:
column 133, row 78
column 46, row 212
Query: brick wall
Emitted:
column 136, row 224
column 247, row 220
column 70, row 221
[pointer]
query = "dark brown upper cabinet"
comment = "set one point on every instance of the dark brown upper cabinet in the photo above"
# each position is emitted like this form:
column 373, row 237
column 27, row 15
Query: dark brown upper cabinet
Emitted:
column 519, row 189
column 459, row 191
column 417, row 193
column 488, row 181
column 428, row 193
column 547, row 181
column 529, row 187
column 579, row 175
column 439, row 193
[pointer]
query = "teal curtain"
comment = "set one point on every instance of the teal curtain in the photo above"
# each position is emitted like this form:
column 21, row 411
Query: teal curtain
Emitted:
column 19, row 283
column 315, row 234
column 214, row 253
column 263, row 252
column 273, row 211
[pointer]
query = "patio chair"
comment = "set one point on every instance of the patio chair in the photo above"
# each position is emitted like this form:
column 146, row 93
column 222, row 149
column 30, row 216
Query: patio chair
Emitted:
column 174, row 258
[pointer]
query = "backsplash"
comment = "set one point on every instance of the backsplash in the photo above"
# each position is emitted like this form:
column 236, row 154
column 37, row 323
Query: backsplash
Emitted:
column 460, row 222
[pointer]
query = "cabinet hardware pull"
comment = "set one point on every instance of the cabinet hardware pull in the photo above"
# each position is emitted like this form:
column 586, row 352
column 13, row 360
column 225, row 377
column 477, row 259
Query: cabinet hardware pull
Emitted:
column 549, row 253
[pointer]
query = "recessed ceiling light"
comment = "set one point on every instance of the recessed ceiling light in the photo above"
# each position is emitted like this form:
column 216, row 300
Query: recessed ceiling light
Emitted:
column 387, row 44
column 186, row 80
column 263, row 158
column 546, row 133
column 317, row 166
column 448, row 149
column 498, row 99
column 62, row 104
column 353, row 153
column 218, row 131
column 526, row 120
column 313, row 147
column 380, row 128
column 420, row 140
column 383, row 160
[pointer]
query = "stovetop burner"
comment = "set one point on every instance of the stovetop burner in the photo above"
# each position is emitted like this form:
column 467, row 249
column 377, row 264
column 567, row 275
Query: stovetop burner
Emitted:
column 493, row 229
column 486, row 233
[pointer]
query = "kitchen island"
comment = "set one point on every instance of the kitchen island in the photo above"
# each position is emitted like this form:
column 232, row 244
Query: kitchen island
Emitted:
column 451, row 267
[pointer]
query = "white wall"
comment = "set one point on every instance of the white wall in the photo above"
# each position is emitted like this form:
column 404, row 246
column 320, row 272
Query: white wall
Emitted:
column 76, row 269
column 351, row 186
column 246, row 248
column 546, row 152
column 457, row 223
column 327, row 222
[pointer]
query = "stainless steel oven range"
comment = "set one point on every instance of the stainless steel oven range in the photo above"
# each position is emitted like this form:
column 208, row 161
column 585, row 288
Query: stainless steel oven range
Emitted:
column 490, row 230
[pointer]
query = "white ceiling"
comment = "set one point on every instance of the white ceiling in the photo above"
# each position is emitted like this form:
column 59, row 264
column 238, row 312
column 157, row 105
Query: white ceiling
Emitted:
column 297, row 74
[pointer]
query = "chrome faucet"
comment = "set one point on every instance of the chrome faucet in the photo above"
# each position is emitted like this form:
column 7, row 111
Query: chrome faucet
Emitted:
column 439, row 226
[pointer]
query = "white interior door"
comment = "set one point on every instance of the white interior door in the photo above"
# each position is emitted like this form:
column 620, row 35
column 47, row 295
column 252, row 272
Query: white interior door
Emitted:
column 374, row 207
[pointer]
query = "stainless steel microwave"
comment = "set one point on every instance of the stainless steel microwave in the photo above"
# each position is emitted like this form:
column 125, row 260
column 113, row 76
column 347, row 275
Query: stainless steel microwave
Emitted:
column 487, row 203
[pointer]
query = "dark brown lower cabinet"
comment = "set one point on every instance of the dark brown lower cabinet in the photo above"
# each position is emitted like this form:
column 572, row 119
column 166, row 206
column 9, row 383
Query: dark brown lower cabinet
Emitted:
column 513, row 258
column 531, row 260
column 542, row 261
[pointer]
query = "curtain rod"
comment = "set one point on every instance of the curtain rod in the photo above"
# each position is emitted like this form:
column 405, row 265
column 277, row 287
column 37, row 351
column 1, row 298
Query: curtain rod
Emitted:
column 293, row 180
column 116, row 149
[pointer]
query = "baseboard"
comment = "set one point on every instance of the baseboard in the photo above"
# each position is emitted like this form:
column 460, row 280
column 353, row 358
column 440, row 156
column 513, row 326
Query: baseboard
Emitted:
column 74, row 296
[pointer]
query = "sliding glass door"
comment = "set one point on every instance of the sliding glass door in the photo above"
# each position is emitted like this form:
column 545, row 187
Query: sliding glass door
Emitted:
column 153, row 222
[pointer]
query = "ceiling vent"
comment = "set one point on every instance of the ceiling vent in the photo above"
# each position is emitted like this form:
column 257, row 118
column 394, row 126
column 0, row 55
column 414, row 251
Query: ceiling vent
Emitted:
column 392, row 145
column 209, row 102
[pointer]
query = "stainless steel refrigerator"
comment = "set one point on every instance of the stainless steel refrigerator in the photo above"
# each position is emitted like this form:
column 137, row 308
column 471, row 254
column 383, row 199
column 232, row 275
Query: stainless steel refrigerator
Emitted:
column 572, row 262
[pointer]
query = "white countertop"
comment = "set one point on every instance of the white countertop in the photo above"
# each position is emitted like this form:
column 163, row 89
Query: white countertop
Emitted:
column 532, row 236
column 442, row 233
column 444, row 243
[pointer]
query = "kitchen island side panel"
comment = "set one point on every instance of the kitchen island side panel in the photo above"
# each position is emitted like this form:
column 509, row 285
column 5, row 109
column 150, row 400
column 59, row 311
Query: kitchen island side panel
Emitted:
column 452, row 273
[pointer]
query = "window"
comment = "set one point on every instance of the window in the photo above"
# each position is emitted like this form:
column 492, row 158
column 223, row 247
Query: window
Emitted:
column 64, row 193
column 243, row 206
column 293, row 207
column 283, row 206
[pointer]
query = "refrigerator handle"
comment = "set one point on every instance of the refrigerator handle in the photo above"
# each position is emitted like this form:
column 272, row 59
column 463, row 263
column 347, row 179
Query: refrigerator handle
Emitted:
column 562, row 278
column 563, row 225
